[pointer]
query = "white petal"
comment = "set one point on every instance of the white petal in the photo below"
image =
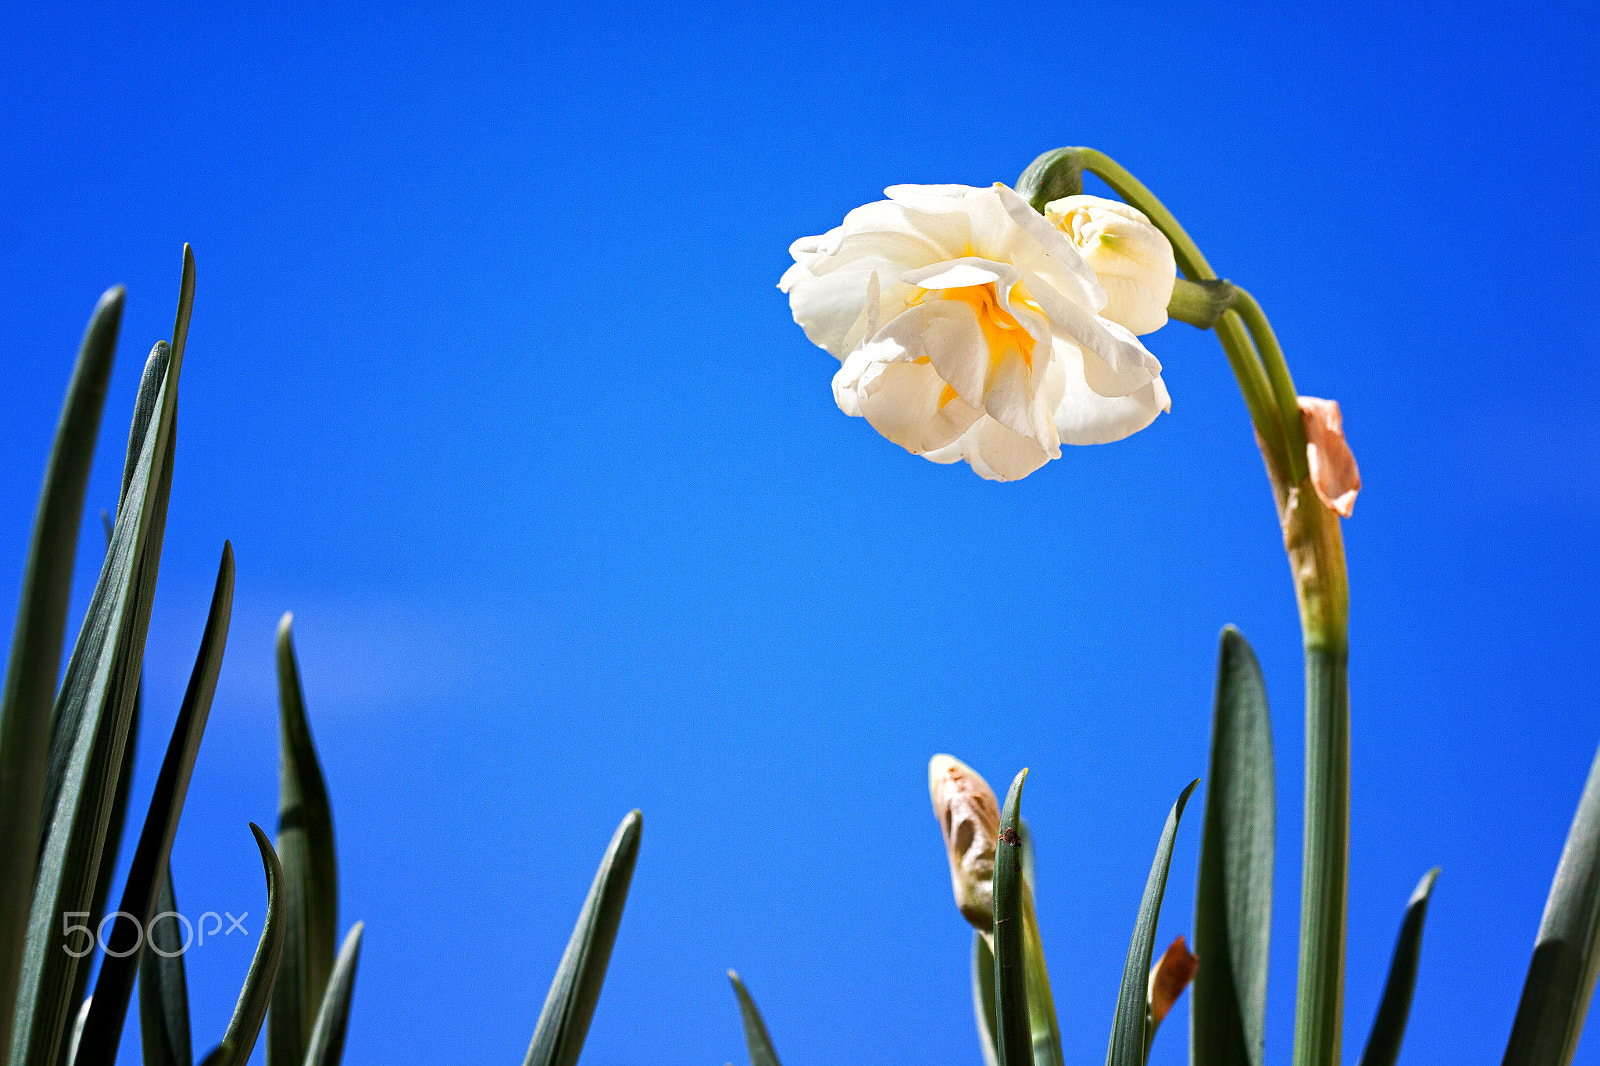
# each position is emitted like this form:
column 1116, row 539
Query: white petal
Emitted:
column 1134, row 305
column 961, row 273
column 997, row 454
column 908, row 403
column 1041, row 249
column 1123, row 365
column 945, row 334
column 1085, row 416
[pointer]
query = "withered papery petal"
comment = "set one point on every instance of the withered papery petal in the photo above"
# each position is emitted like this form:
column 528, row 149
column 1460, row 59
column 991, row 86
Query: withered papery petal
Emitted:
column 1169, row 977
column 969, row 818
column 1333, row 467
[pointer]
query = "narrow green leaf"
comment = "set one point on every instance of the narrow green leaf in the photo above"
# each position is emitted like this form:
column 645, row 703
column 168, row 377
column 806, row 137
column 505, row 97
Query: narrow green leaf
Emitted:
column 310, row 871
column 1127, row 1030
column 755, row 1030
column 564, row 1021
column 103, row 1032
column 1233, row 902
column 1389, row 1028
column 1044, row 1029
column 163, row 987
column 256, row 996
column 1555, row 996
column 1014, row 1041
column 983, row 997
column 91, row 718
column 119, row 808
column 327, row 1036
column 30, row 685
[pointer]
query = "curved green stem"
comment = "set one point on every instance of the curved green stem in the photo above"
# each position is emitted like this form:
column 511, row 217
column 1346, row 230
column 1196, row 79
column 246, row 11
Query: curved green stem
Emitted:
column 1283, row 391
column 1315, row 546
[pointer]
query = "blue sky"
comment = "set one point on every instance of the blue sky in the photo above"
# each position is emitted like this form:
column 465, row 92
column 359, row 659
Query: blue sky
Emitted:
column 488, row 382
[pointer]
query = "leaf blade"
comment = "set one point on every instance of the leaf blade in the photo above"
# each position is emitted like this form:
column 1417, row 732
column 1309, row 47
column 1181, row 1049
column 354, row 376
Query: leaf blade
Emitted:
column 30, row 685
column 91, row 718
column 1127, row 1047
column 310, row 869
column 1561, row 975
column 1389, row 1027
column 326, row 1047
column 103, row 1029
column 983, row 997
column 1014, row 1038
column 164, row 988
column 1233, row 897
column 256, row 995
column 569, row 1006
column 756, row 1038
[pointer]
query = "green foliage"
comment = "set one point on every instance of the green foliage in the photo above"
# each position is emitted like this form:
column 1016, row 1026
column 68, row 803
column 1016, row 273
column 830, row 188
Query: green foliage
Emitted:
column 1389, row 1028
column 251, row 1010
column 564, row 1021
column 25, row 707
column 327, row 1035
column 164, row 989
column 1561, row 976
column 983, row 997
column 755, row 1030
column 1013, row 1030
column 305, row 844
column 103, row 1029
column 1233, row 906
column 1128, row 1043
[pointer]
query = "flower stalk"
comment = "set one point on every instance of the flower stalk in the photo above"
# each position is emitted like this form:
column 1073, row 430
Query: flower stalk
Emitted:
column 1315, row 548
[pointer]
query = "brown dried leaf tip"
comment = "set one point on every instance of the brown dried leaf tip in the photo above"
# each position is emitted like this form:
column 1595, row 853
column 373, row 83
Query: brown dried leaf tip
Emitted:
column 969, row 817
column 1333, row 466
column 1169, row 977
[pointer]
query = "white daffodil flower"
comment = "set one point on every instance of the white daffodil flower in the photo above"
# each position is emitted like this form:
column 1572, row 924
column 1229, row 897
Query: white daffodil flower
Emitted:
column 968, row 327
column 1132, row 259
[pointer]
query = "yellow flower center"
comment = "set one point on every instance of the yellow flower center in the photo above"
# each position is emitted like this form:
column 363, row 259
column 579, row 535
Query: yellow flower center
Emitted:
column 1002, row 333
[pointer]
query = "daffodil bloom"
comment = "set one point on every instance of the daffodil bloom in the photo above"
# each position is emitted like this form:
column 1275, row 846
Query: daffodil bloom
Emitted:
column 1132, row 259
column 968, row 326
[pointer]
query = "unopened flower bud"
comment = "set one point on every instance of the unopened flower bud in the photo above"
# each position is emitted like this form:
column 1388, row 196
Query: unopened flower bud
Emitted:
column 1169, row 977
column 1333, row 467
column 1131, row 257
column 969, row 816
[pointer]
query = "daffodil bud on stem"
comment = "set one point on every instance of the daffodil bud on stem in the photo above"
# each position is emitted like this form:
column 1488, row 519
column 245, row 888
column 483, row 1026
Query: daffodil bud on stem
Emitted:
column 969, row 818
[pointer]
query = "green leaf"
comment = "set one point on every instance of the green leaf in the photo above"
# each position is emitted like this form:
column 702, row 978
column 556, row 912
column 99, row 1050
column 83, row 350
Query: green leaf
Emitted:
column 91, row 716
column 983, row 997
column 30, row 685
column 1128, row 1029
column 163, row 987
column 1013, row 1043
column 256, row 996
column 1383, row 1045
column 564, row 1021
column 103, row 1031
column 1555, row 996
column 1233, row 904
column 327, row 1035
column 310, row 871
column 755, row 1030
column 1043, row 1027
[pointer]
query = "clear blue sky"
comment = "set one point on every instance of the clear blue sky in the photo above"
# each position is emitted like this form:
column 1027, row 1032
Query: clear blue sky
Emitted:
column 490, row 384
